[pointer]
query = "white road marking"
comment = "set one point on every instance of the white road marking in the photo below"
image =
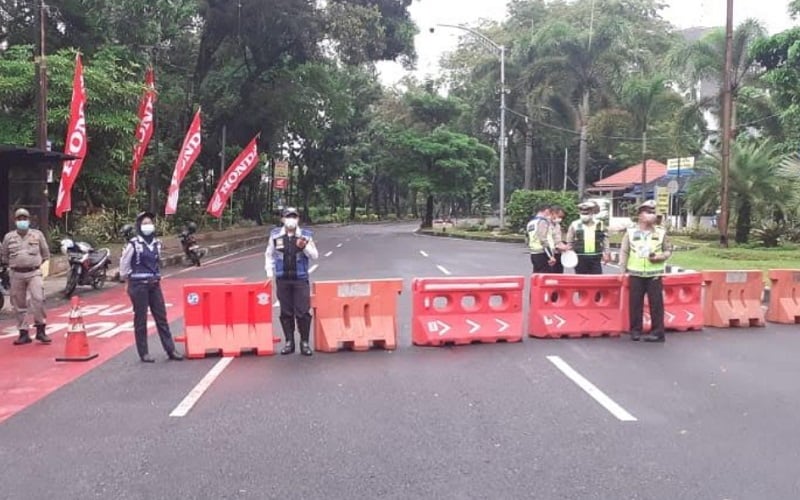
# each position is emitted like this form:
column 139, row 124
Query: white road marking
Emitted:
column 213, row 261
column 443, row 270
column 598, row 395
column 423, row 253
column 340, row 245
column 194, row 395
column 329, row 253
column 313, row 268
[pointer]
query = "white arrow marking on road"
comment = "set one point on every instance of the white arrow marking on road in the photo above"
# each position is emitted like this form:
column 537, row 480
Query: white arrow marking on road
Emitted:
column 598, row 395
column 503, row 325
column 438, row 326
column 475, row 326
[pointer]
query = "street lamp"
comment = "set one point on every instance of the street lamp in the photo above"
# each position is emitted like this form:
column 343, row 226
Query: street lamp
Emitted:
column 501, row 50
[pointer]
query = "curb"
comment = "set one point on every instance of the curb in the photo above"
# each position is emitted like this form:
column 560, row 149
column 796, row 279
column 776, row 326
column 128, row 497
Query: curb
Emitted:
column 468, row 237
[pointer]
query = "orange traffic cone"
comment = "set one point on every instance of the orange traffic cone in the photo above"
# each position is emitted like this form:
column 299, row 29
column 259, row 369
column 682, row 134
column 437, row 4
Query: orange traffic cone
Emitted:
column 77, row 346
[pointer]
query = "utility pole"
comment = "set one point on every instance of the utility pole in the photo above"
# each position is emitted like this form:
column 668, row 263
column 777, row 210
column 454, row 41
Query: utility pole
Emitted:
column 41, row 118
column 222, row 169
column 644, row 166
column 727, row 106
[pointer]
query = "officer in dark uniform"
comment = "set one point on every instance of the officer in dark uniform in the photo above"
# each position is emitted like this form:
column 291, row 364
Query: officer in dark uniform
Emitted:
column 287, row 256
column 139, row 265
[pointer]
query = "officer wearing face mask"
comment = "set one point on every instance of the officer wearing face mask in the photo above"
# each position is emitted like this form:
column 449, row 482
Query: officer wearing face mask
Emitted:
column 643, row 254
column 588, row 238
column 286, row 258
column 140, row 266
column 557, row 216
column 23, row 251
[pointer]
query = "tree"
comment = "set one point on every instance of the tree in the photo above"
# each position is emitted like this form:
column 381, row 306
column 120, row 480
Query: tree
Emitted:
column 759, row 185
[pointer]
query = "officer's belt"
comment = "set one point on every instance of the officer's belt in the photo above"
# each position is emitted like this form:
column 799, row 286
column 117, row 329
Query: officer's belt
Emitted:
column 24, row 269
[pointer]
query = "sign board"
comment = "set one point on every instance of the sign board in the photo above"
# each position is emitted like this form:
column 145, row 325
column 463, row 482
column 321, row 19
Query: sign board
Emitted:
column 281, row 169
column 675, row 165
column 281, row 183
column 662, row 201
column 673, row 187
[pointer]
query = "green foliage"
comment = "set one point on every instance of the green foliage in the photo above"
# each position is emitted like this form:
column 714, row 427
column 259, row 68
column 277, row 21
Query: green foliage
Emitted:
column 524, row 203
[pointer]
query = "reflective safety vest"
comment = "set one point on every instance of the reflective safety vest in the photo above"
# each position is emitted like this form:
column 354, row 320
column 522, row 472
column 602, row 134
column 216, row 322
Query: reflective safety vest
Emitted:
column 589, row 242
column 534, row 243
column 642, row 244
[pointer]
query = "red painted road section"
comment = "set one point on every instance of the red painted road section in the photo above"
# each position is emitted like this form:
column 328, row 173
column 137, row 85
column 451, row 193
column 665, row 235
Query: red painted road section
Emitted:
column 28, row 373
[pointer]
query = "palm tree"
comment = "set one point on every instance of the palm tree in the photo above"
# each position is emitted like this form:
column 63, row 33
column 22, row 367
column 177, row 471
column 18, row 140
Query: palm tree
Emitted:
column 759, row 183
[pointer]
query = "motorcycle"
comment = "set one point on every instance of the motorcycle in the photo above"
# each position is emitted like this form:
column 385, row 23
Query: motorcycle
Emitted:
column 190, row 246
column 88, row 267
column 5, row 285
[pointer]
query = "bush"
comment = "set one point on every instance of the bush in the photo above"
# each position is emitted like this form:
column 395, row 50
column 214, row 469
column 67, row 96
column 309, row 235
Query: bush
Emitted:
column 523, row 205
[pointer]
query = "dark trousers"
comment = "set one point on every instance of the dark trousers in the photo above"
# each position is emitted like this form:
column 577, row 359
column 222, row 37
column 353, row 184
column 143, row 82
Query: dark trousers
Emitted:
column 653, row 288
column 541, row 264
column 146, row 294
column 295, row 299
column 589, row 264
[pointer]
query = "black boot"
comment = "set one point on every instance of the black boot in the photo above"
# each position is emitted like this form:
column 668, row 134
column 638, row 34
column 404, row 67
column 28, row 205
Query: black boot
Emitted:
column 287, row 323
column 41, row 335
column 304, row 325
column 24, row 338
column 636, row 335
column 652, row 337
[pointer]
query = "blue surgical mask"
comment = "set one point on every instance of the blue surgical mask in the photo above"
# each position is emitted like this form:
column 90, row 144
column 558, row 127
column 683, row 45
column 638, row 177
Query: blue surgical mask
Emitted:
column 23, row 225
column 148, row 229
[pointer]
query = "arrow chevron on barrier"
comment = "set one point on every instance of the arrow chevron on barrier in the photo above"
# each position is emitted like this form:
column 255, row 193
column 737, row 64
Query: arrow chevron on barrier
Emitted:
column 689, row 315
column 549, row 320
column 474, row 327
column 438, row 326
column 503, row 325
column 670, row 317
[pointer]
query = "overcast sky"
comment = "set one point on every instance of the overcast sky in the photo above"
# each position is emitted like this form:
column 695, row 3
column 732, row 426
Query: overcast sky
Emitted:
column 682, row 13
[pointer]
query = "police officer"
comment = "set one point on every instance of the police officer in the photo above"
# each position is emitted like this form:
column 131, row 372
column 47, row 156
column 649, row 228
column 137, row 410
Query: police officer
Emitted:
column 541, row 242
column 557, row 214
column 643, row 254
column 286, row 258
column 139, row 265
column 23, row 251
column 589, row 239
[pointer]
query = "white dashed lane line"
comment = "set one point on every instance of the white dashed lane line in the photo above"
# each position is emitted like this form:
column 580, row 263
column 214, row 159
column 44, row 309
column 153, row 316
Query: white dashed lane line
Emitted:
column 340, row 245
column 598, row 395
column 313, row 268
column 443, row 270
column 423, row 253
column 329, row 253
column 194, row 395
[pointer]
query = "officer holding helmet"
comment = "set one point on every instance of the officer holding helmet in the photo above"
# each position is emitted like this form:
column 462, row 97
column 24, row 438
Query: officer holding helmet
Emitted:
column 23, row 251
column 286, row 258
column 643, row 254
column 588, row 238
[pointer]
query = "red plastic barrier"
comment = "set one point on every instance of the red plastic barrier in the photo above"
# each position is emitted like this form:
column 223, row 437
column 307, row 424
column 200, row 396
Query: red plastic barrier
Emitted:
column 784, row 296
column 467, row 310
column 683, row 303
column 568, row 305
column 733, row 298
column 227, row 319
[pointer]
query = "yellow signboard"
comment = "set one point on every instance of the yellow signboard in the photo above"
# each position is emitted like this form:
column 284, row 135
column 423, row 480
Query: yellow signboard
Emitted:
column 662, row 200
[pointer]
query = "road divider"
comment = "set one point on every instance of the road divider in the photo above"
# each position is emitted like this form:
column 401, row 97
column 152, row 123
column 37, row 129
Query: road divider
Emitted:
column 733, row 299
column 467, row 310
column 784, row 297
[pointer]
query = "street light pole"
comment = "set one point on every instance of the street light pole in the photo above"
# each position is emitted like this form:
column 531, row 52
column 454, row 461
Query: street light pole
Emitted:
column 727, row 106
column 501, row 50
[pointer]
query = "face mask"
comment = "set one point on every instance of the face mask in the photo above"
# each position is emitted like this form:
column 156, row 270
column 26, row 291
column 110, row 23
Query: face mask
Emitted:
column 23, row 225
column 290, row 222
column 649, row 218
column 557, row 220
column 148, row 229
column 586, row 218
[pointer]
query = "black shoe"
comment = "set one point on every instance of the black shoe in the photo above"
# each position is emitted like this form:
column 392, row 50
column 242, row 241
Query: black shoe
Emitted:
column 41, row 336
column 148, row 359
column 636, row 336
column 288, row 348
column 305, row 349
column 175, row 356
column 654, row 338
column 24, row 338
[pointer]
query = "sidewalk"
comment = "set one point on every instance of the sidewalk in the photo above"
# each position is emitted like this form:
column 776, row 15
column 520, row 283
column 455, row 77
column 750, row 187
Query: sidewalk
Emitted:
column 217, row 243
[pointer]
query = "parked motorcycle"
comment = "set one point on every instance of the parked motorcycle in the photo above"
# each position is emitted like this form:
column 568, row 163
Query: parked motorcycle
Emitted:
column 88, row 267
column 5, row 285
column 189, row 243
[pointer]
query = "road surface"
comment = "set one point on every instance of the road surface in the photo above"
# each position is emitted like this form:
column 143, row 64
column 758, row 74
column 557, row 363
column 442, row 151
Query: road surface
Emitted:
column 708, row 415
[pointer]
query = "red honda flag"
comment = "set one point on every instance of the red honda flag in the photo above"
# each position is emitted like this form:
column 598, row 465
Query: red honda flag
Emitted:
column 191, row 148
column 234, row 175
column 76, row 141
column 145, row 129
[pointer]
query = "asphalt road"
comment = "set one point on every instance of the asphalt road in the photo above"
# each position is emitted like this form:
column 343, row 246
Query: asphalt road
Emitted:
column 710, row 415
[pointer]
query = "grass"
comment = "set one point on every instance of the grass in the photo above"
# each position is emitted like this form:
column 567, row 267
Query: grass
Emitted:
column 709, row 257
